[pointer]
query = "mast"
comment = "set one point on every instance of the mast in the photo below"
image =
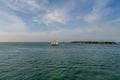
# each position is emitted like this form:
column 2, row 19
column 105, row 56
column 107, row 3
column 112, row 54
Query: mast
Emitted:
column 55, row 43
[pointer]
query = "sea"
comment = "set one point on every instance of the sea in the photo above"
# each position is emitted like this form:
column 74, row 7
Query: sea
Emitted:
column 41, row 61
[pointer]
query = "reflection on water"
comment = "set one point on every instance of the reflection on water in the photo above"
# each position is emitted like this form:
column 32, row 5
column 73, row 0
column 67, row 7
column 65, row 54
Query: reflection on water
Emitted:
column 40, row 61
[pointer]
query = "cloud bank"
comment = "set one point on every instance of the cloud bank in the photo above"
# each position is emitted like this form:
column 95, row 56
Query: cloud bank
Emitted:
column 44, row 20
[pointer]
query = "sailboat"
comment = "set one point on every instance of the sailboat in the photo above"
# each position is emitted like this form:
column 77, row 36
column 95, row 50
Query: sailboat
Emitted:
column 54, row 43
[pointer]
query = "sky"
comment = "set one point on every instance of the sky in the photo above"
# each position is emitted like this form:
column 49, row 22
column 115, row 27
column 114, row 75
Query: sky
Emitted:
column 65, row 20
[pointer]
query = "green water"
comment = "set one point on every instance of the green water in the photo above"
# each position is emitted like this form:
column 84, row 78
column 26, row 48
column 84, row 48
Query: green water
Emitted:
column 40, row 61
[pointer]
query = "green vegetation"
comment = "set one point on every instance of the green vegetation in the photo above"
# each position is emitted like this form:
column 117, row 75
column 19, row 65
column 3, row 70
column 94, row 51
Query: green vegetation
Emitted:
column 93, row 42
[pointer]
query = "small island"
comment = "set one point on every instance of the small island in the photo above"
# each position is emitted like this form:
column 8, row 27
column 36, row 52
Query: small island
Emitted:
column 93, row 42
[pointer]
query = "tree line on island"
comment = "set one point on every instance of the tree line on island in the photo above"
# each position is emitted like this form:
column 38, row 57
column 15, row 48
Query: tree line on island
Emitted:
column 93, row 42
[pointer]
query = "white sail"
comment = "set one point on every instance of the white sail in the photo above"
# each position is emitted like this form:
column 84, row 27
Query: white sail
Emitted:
column 55, row 43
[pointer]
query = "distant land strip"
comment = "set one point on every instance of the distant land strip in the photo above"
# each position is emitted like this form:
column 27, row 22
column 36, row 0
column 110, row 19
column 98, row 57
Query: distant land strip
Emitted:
column 93, row 42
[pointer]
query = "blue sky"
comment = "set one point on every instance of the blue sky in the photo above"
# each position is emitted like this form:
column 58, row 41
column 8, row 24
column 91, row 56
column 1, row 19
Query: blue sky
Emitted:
column 65, row 20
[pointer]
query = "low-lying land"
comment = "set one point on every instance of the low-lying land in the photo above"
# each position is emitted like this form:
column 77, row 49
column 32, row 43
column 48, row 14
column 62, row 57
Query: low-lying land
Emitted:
column 93, row 42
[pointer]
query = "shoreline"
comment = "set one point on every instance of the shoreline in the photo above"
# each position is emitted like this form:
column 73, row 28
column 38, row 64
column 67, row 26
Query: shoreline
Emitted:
column 93, row 42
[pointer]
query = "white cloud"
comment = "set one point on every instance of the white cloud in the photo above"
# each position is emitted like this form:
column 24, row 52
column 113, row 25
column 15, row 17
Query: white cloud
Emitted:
column 44, row 14
column 11, row 23
column 29, row 36
column 32, row 3
column 55, row 16
column 93, row 33
column 12, row 28
column 113, row 21
column 92, row 17
column 24, row 5
column 99, row 10
column 51, row 17
column 22, row 37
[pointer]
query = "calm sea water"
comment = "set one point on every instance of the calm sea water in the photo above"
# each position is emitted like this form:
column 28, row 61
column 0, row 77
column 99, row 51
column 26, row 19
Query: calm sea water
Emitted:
column 40, row 61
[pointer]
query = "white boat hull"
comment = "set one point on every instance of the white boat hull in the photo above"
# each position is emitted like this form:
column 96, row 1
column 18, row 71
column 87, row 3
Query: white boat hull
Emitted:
column 54, row 43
